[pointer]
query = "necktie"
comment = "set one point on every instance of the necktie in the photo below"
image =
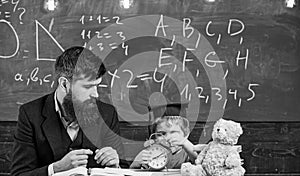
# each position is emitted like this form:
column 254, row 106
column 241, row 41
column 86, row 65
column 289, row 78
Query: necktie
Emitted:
column 72, row 130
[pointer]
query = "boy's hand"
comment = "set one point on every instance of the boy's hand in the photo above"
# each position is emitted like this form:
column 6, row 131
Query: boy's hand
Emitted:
column 141, row 160
column 178, row 140
column 149, row 142
column 146, row 156
column 199, row 147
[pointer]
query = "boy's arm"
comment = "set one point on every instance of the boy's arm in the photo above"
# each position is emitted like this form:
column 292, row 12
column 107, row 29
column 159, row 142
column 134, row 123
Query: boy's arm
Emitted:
column 140, row 160
column 136, row 164
column 189, row 149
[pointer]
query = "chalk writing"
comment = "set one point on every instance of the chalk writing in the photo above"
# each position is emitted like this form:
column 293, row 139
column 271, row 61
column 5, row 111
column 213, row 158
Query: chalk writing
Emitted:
column 34, row 77
column 239, row 57
column 125, row 47
column 235, row 28
column 185, row 91
column 161, row 25
column 160, row 64
column 200, row 92
column 219, row 39
column 233, row 92
column 186, row 26
column 162, row 81
column 99, row 19
column 16, row 7
column 15, row 3
column 210, row 62
column 23, row 10
column 238, row 22
column 6, row 14
column 102, row 85
column 37, row 26
column 144, row 77
column 217, row 93
column 232, row 23
column 207, row 28
column 252, row 91
column 225, row 103
column 121, row 35
column 129, row 85
column 89, row 34
column 225, row 75
column 16, row 37
column 114, row 75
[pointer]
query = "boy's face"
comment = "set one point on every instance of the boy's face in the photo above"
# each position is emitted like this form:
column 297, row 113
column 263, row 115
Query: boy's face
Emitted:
column 172, row 133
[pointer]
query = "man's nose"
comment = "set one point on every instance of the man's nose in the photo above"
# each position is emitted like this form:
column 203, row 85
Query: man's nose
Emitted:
column 94, row 92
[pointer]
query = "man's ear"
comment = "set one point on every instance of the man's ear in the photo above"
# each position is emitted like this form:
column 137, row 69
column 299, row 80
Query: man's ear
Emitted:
column 64, row 84
column 187, row 134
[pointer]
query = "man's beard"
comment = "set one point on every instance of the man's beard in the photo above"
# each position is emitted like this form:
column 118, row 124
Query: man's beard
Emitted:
column 86, row 113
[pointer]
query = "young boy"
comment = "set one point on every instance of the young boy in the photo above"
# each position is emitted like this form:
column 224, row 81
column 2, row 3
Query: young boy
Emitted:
column 175, row 130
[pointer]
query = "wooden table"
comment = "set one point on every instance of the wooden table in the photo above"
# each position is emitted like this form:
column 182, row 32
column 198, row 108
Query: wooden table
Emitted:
column 140, row 172
column 169, row 172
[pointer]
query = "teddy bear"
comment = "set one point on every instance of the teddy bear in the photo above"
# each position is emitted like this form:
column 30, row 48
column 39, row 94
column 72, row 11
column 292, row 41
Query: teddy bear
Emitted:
column 219, row 157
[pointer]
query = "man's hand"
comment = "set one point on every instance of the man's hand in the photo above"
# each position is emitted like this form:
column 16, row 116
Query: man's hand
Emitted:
column 73, row 159
column 107, row 156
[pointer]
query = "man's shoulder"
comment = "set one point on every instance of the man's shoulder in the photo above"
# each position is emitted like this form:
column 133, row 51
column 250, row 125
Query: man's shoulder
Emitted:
column 105, row 106
column 35, row 108
column 108, row 112
column 36, row 103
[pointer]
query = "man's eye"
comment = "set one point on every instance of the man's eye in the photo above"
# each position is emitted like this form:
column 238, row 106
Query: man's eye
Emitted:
column 88, row 87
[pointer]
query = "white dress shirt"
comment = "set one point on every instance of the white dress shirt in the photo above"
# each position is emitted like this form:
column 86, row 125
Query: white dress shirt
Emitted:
column 72, row 129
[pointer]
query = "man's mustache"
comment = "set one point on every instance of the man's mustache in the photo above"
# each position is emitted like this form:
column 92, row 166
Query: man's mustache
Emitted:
column 92, row 100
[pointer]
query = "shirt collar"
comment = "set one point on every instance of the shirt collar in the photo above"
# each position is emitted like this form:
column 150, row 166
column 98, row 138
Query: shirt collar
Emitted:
column 58, row 110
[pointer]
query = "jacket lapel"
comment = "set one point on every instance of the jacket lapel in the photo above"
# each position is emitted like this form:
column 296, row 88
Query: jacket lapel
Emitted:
column 51, row 128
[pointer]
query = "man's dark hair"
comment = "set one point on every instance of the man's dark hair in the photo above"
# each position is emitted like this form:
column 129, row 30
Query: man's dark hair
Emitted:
column 78, row 62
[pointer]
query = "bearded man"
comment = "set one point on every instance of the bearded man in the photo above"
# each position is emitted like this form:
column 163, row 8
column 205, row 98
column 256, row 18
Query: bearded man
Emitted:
column 69, row 127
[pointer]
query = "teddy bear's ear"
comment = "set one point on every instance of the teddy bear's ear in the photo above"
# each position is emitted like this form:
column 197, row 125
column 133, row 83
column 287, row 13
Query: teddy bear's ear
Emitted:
column 220, row 121
column 239, row 128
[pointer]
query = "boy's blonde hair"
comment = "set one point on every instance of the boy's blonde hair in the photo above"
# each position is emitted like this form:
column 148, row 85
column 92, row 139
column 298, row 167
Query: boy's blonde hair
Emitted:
column 183, row 123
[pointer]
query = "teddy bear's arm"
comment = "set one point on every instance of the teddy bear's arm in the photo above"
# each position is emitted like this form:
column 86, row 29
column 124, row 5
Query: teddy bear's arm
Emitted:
column 187, row 169
column 202, row 154
column 233, row 160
